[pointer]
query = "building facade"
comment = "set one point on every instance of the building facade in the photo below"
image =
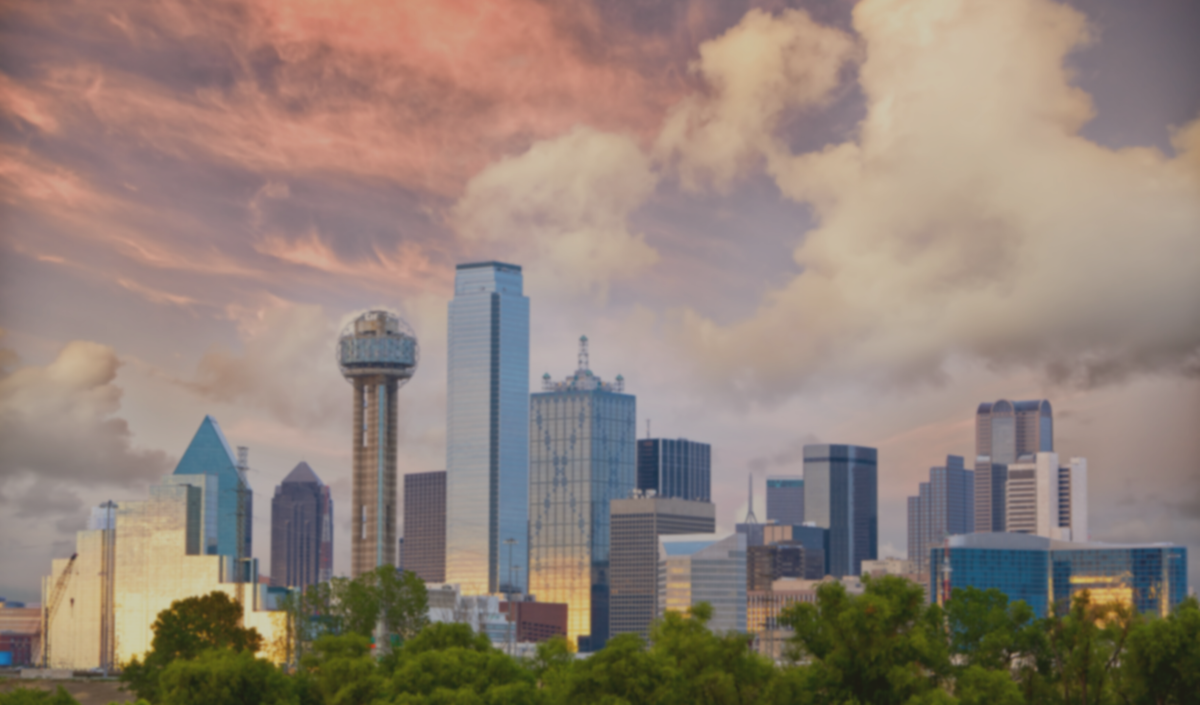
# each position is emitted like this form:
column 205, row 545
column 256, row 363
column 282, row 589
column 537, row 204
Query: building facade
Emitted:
column 944, row 506
column 695, row 568
column 636, row 524
column 1151, row 578
column 301, row 530
column 675, row 468
column 1005, row 431
column 582, row 449
column 1073, row 499
column 425, row 525
column 785, row 500
column 487, row 429
column 840, row 494
column 227, row 502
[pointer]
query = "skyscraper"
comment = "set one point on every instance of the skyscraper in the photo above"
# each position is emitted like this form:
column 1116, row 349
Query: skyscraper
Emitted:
column 1045, row 499
column 1004, row 431
column 377, row 353
column 582, row 448
column 675, row 468
column 840, row 495
column 225, row 495
column 695, row 568
column 943, row 507
column 785, row 500
column 425, row 525
column 487, row 429
column 636, row 525
column 1073, row 499
column 301, row 530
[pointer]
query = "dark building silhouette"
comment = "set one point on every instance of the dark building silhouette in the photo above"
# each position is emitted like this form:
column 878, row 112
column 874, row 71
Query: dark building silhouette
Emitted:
column 425, row 525
column 635, row 527
column 301, row 530
column 675, row 468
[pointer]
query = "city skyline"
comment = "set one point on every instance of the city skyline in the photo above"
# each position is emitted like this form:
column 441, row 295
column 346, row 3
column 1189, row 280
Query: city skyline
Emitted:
column 193, row 207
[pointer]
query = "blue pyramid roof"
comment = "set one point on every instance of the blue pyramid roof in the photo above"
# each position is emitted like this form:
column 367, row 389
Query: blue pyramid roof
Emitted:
column 209, row 453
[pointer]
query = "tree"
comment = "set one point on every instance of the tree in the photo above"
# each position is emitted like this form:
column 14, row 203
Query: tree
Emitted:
column 884, row 647
column 708, row 667
column 183, row 631
column 1161, row 664
column 1086, row 644
column 987, row 630
column 341, row 670
column 450, row 663
column 225, row 677
column 37, row 696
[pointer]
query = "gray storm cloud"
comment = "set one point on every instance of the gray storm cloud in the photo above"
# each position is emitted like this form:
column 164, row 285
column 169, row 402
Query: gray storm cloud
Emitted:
column 967, row 217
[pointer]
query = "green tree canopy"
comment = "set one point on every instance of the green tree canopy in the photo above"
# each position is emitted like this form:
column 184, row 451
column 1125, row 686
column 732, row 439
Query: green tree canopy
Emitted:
column 225, row 677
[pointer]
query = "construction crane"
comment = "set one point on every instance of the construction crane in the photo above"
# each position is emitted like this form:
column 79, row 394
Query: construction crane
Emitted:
column 52, row 602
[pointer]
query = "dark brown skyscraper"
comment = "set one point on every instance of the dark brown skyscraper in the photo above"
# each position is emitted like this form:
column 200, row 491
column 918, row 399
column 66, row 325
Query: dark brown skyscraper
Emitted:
column 425, row 525
column 301, row 530
column 633, row 554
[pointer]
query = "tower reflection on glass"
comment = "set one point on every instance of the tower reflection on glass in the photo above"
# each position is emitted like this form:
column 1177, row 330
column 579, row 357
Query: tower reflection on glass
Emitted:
column 377, row 353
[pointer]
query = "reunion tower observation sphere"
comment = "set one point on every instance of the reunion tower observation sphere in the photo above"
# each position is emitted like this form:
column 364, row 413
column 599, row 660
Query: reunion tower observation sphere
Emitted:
column 378, row 343
column 377, row 353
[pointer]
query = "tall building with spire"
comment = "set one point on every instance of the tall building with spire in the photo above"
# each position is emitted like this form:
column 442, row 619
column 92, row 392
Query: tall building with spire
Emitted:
column 582, row 448
column 1005, row 431
column 487, row 429
column 301, row 530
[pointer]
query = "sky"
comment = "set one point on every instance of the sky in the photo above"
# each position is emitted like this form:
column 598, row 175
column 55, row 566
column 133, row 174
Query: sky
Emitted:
column 781, row 222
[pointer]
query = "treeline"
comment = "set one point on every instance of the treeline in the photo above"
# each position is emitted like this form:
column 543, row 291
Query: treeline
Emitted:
column 884, row 647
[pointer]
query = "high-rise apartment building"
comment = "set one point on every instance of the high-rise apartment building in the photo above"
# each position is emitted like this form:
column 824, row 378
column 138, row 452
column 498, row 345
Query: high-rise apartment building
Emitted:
column 675, row 468
column 377, row 354
column 425, row 525
column 1005, row 431
column 301, row 530
column 695, row 568
column 840, row 494
column 944, row 506
column 227, row 502
column 785, row 500
column 582, row 449
column 487, row 429
column 635, row 527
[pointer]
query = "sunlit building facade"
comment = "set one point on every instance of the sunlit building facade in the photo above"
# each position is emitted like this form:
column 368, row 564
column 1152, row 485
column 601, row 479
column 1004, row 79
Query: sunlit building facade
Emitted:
column 582, row 448
column 840, row 494
column 1151, row 578
column 487, row 429
column 695, row 568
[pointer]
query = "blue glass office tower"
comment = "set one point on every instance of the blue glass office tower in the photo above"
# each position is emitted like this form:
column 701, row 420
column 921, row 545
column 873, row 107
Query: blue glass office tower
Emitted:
column 785, row 500
column 944, row 506
column 226, row 499
column 1149, row 577
column 675, row 468
column 487, row 430
column 582, row 447
column 840, row 495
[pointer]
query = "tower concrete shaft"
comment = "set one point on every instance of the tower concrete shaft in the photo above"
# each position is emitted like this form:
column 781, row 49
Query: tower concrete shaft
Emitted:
column 373, row 537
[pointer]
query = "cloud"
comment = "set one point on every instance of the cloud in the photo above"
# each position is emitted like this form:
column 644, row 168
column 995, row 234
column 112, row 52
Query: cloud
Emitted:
column 286, row 367
column 59, row 422
column 561, row 208
column 756, row 72
column 967, row 217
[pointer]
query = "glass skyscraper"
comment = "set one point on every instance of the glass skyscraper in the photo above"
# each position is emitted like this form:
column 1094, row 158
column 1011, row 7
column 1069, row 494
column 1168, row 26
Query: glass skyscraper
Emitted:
column 582, row 445
column 675, row 468
column 226, row 499
column 487, row 429
column 1005, row 431
column 785, row 500
column 301, row 530
column 944, row 506
column 840, row 494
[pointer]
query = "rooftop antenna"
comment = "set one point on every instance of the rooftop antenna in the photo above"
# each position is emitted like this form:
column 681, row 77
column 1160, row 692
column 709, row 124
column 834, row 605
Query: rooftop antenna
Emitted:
column 750, row 518
column 583, row 353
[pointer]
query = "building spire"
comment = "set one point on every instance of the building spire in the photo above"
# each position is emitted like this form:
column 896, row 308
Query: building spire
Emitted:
column 583, row 354
column 750, row 518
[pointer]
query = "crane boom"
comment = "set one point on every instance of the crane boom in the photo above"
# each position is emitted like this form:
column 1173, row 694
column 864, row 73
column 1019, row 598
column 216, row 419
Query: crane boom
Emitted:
column 52, row 602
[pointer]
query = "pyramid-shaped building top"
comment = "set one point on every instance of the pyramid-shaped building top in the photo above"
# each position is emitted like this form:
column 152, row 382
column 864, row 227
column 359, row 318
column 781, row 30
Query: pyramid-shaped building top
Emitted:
column 302, row 473
column 229, row 501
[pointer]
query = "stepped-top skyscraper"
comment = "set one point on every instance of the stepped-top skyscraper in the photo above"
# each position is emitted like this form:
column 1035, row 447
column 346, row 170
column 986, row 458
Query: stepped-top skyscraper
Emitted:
column 487, row 430
column 1004, row 431
column 377, row 353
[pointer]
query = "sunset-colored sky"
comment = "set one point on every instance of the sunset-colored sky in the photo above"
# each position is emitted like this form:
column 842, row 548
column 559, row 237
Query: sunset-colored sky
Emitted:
column 782, row 222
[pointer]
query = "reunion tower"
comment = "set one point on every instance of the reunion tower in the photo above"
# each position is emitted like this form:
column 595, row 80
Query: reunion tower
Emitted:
column 377, row 353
